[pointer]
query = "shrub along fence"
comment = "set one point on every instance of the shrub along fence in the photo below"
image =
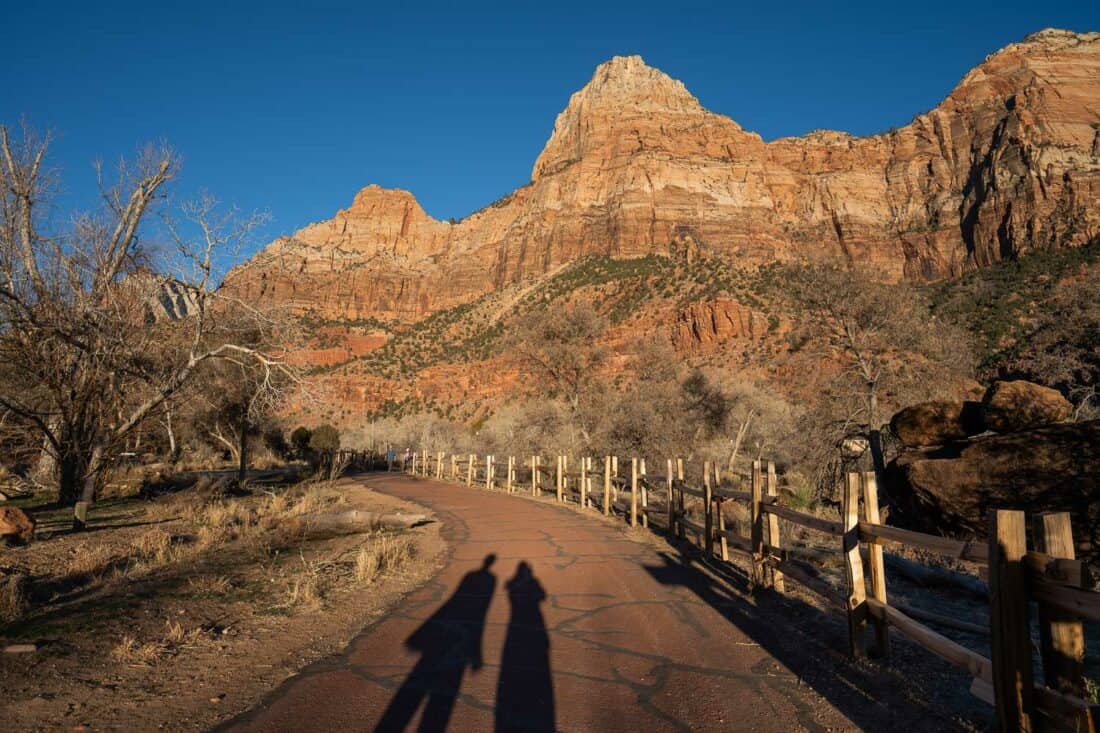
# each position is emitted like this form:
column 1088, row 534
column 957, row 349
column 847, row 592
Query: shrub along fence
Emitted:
column 1047, row 574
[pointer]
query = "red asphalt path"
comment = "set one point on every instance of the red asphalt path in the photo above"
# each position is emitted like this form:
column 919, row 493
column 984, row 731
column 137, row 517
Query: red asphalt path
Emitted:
column 637, row 639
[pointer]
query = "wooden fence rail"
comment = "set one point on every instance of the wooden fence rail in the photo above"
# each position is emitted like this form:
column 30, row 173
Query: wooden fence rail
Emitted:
column 1048, row 574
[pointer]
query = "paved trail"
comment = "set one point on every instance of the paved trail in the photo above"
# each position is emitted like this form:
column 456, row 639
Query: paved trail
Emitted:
column 573, row 626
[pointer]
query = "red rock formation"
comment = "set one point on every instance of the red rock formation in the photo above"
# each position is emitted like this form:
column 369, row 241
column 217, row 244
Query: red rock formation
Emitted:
column 703, row 326
column 1009, row 161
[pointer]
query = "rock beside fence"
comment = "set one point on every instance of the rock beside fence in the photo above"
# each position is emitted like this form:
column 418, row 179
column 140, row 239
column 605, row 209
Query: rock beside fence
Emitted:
column 1009, row 407
column 952, row 488
column 937, row 422
column 16, row 525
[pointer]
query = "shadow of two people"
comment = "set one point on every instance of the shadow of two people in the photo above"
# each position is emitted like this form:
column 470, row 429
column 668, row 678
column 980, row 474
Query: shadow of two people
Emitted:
column 450, row 641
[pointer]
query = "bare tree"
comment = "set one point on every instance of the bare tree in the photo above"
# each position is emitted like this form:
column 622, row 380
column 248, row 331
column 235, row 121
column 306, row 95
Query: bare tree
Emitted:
column 564, row 351
column 1062, row 348
column 884, row 341
column 86, row 362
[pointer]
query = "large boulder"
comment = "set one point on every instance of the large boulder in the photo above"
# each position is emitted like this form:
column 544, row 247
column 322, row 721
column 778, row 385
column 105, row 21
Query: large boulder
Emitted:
column 1019, row 405
column 951, row 490
column 16, row 525
column 937, row 422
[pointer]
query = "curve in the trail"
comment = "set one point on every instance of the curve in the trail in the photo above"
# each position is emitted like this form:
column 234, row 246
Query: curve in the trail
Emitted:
column 568, row 625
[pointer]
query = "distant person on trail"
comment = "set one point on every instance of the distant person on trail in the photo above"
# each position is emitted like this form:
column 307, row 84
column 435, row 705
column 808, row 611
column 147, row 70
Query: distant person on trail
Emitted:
column 405, row 460
column 391, row 456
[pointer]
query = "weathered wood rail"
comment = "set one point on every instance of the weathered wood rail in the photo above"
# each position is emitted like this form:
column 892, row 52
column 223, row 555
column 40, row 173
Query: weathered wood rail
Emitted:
column 1047, row 575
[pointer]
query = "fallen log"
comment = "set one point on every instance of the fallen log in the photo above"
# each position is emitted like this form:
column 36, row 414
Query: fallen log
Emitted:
column 937, row 577
column 354, row 521
column 926, row 575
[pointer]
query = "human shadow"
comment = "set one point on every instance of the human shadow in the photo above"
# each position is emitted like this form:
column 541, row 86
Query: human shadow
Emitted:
column 448, row 642
column 525, row 690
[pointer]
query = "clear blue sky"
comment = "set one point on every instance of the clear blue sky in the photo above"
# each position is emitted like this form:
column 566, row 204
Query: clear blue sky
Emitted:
column 292, row 107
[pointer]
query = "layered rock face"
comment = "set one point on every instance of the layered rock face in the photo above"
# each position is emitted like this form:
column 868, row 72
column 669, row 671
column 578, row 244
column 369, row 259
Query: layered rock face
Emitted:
column 1008, row 162
column 704, row 326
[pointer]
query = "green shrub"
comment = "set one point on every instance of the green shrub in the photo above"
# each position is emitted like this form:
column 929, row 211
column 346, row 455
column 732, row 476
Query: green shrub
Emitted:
column 325, row 438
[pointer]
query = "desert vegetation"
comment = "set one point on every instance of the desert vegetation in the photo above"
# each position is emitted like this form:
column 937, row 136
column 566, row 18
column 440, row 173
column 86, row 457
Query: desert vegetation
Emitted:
column 154, row 504
column 112, row 323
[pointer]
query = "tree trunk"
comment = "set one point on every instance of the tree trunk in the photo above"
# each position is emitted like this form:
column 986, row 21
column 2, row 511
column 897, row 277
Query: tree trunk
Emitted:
column 46, row 468
column 173, row 449
column 70, row 478
column 242, row 451
column 88, row 491
column 874, row 440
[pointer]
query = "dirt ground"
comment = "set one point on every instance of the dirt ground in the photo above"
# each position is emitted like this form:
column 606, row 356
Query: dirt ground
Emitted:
column 179, row 612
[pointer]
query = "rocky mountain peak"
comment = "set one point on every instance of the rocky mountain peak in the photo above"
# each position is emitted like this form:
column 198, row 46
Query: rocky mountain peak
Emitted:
column 1008, row 162
column 621, row 91
column 1060, row 38
column 629, row 79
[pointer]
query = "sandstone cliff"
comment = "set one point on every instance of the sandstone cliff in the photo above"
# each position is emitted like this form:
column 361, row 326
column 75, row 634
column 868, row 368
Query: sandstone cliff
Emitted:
column 1008, row 162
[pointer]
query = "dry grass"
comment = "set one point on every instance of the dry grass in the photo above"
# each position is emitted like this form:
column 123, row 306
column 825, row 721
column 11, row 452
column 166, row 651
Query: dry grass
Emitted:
column 91, row 560
column 382, row 554
column 155, row 548
column 13, row 598
column 177, row 636
column 212, row 585
column 305, row 591
column 130, row 651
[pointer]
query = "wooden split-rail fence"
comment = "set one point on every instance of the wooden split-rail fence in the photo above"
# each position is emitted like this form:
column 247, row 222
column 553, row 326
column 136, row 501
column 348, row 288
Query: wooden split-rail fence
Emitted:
column 1047, row 574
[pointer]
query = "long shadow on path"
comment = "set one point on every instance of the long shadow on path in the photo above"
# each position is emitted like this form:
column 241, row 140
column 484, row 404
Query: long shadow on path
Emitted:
column 804, row 639
column 525, row 690
column 448, row 642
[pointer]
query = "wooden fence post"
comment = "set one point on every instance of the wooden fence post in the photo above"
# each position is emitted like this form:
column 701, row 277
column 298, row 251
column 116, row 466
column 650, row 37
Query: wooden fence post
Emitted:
column 756, row 517
column 1010, row 634
column 584, row 482
column 590, row 474
column 606, row 485
column 511, row 474
column 488, row 472
column 633, row 492
column 534, row 475
column 470, row 469
column 708, row 512
column 877, row 560
column 558, row 479
column 773, row 526
column 454, row 467
column 671, row 503
column 853, row 566
column 723, row 546
column 680, row 499
column 1061, row 635
column 645, row 495
column 565, row 477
